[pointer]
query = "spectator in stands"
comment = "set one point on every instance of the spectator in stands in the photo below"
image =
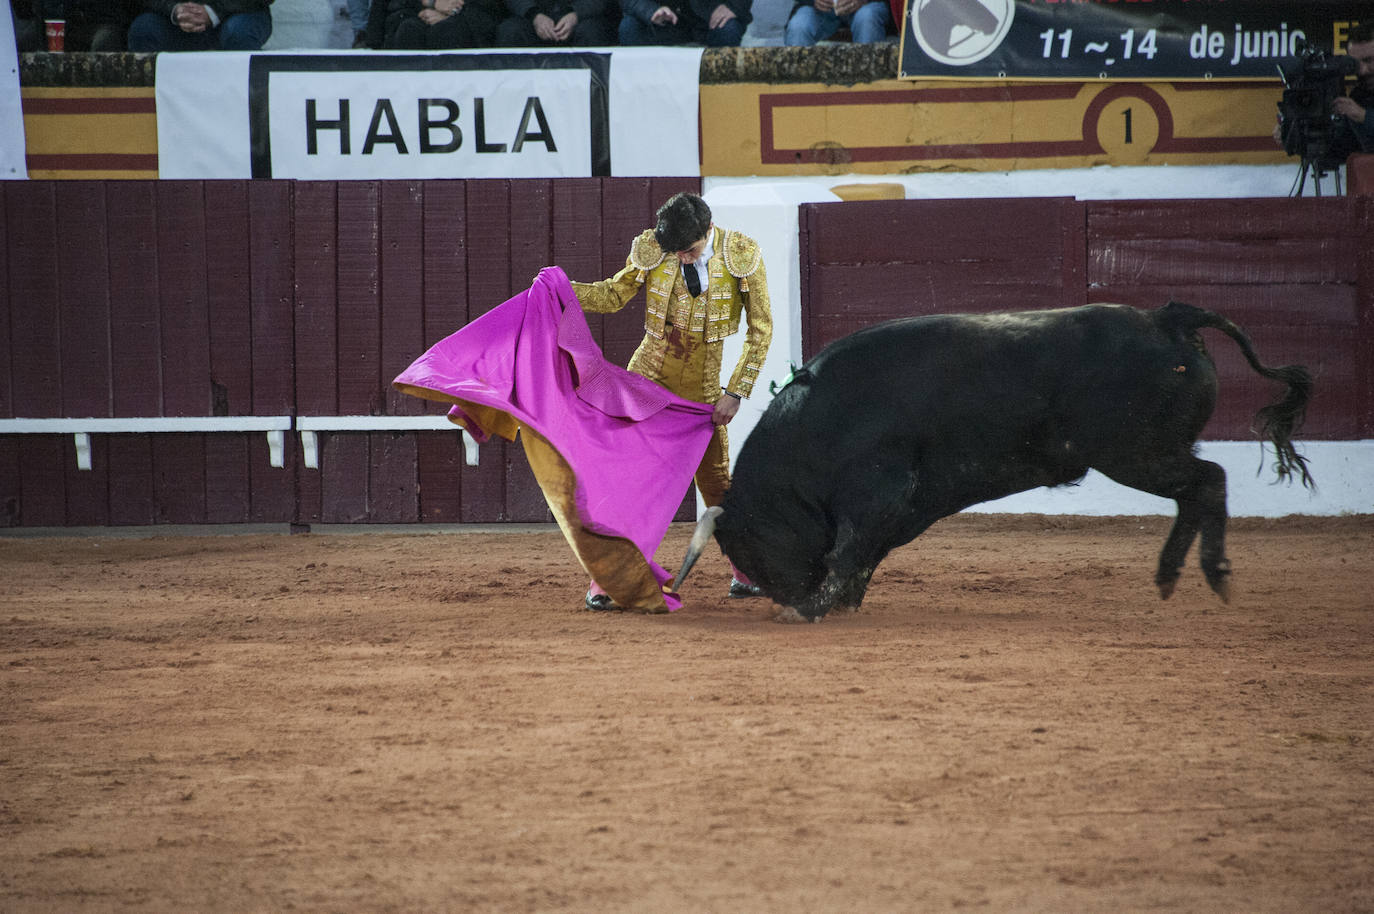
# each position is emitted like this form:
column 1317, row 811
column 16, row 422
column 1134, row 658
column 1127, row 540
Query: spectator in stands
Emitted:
column 1357, row 108
column 555, row 23
column 436, row 25
column 357, row 17
column 707, row 22
column 868, row 21
column 28, row 26
column 220, row 25
column 91, row 25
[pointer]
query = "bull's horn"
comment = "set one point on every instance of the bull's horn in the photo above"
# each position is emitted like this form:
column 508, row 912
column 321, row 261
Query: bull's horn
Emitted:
column 705, row 527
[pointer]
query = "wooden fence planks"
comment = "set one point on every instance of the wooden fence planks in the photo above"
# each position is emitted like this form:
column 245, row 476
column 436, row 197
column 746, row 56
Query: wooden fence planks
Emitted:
column 35, row 353
column 133, row 299
column 228, row 266
column 83, row 311
column 1287, row 271
column 316, row 246
column 183, row 303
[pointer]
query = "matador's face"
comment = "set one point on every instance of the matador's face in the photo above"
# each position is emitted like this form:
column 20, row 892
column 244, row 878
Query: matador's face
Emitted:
column 692, row 254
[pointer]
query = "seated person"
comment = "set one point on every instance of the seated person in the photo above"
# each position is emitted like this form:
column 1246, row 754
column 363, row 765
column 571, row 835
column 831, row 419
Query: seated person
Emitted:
column 1356, row 133
column 437, row 25
column 711, row 23
column 28, row 26
column 811, row 21
column 219, row 25
column 555, row 23
column 91, row 25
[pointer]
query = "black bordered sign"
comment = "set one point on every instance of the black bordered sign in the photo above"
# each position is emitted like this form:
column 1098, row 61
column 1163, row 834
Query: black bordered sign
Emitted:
column 380, row 127
column 1118, row 39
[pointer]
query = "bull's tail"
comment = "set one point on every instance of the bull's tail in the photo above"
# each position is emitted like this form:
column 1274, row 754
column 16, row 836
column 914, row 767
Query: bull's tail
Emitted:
column 705, row 528
column 1278, row 422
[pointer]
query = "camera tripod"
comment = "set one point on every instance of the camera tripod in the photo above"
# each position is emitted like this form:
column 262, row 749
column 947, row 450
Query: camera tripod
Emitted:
column 1319, row 169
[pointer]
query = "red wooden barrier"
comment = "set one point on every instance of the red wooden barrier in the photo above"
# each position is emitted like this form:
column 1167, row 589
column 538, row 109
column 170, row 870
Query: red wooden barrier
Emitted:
column 266, row 298
column 1296, row 274
column 240, row 299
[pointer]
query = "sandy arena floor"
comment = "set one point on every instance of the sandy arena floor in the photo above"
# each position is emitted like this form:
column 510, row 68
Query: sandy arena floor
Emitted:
column 429, row 722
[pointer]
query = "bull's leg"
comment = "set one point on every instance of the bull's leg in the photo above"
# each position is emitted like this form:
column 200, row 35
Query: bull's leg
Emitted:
column 869, row 510
column 1199, row 488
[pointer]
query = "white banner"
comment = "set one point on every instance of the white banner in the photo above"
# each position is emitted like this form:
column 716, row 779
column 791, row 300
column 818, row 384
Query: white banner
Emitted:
column 12, row 164
column 577, row 113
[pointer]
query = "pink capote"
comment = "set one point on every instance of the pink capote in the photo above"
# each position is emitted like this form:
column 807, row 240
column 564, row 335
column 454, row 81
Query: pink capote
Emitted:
column 632, row 444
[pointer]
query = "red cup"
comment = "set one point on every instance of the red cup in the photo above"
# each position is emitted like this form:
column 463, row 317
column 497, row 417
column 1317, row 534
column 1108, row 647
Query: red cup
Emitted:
column 56, row 30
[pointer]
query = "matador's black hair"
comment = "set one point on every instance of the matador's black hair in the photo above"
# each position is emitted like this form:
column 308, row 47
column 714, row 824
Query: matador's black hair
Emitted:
column 682, row 222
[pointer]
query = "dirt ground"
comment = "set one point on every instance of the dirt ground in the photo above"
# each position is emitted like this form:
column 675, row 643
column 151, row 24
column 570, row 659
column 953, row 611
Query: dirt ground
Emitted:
column 429, row 722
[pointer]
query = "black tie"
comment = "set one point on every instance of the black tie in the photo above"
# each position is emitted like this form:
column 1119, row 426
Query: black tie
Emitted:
column 689, row 273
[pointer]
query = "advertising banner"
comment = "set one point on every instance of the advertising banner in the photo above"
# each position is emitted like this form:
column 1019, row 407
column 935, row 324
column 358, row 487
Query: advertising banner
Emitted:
column 1118, row 39
column 345, row 116
column 12, row 163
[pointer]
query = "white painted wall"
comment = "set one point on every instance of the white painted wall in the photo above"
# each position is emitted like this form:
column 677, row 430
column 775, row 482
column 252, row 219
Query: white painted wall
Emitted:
column 1101, row 183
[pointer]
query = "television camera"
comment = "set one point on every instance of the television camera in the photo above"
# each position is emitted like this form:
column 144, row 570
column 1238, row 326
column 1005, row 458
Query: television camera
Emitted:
column 1307, row 122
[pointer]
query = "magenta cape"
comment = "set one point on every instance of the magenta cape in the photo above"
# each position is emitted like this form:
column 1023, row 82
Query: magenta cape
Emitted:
column 632, row 445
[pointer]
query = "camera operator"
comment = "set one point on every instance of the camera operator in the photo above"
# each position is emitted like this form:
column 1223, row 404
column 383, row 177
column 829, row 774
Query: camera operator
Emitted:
column 1357, row 109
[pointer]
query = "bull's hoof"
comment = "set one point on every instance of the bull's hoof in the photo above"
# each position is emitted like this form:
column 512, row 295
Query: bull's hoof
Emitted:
column 1166, row 581
column 1219, row 579
column 1221, row 584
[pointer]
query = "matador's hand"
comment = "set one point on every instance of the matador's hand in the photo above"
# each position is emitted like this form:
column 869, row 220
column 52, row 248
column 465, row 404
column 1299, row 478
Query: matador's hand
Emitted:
column 726, row 408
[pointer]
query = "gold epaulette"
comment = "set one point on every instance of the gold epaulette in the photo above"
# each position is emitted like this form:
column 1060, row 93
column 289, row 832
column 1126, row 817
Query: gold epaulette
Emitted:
column 645, row 254
column 742, row 257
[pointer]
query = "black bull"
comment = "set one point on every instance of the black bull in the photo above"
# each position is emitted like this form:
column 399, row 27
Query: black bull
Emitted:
column 889, row 429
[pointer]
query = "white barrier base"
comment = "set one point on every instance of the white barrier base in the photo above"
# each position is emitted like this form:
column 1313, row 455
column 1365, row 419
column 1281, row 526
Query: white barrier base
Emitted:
column 1343, row 470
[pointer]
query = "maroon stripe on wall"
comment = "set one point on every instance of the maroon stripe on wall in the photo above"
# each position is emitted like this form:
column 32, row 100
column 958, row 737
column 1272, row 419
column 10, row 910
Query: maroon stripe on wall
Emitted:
column 577, row 229
column 488, row 281
column 143, row 105
column 135, row 333
column 393, row 493
column 179, row 478
column 10, row 491
column 531, row 231
column 402, row 292
column 92, row 161
column 226, row 479
column 489, row 219
column 84, row 298
column 88, row 491
column 272, row 489
column 35, row 342
column 317, row 268
column 627, row 208
column 269, row 215
column 359, row 325
column 345, row 459
column 185, row 316
column 445, row 239
column 6, row 355
column 439, row 462
column 1364, row 339
column 42, row 480
column 228, row 271
column 132, row 500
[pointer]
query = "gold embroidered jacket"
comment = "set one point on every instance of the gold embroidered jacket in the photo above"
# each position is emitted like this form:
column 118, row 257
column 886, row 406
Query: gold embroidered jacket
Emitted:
column 738, row 284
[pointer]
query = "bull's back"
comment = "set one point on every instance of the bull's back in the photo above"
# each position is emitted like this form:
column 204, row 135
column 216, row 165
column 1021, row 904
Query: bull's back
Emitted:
column 1057, row 384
